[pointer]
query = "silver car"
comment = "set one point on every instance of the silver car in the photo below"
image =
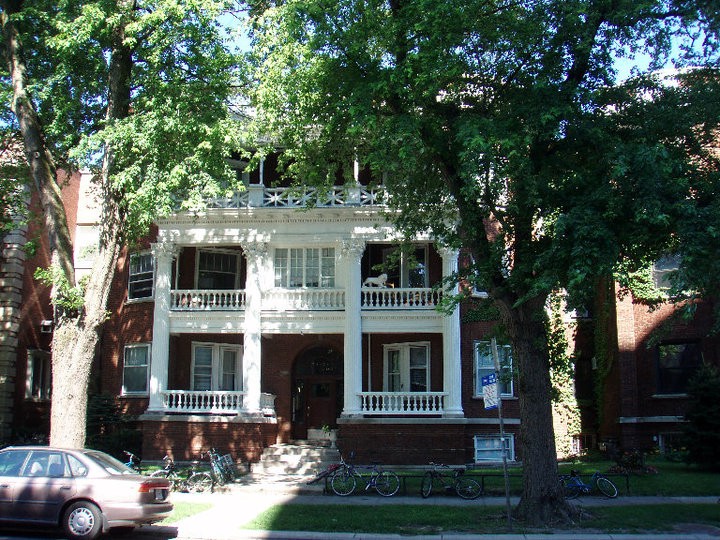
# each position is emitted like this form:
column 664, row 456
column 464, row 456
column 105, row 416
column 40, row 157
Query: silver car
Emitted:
column 85, row 492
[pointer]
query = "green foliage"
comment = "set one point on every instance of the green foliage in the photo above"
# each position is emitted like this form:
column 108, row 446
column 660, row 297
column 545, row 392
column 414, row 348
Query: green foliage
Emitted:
column 65, row 295
column 702, row 431
column 111, row 430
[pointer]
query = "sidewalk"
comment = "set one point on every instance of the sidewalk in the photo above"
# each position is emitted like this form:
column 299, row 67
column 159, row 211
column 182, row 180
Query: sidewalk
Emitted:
column 240, row 504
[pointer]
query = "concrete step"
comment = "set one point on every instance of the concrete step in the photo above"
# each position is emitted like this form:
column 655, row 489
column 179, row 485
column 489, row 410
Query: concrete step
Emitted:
column 295, row 460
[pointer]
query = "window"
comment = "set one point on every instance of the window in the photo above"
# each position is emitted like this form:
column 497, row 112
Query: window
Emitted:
column 407, row 367
column 409, row 270
column 136, row 369
column 484, row 365
column 676, row 364
column 490, row 447
column 39, row 375
column 11, row 461
column 663, row 269
column 216, row 367
column 305, row 267
column 140, row 283
column 217, row 270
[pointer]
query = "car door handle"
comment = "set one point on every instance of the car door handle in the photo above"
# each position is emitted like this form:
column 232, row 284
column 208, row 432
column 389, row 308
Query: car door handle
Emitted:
column 65, row 487
column 4, row 485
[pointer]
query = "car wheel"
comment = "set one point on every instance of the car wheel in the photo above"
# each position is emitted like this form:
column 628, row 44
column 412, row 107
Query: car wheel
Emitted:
column 82, row 521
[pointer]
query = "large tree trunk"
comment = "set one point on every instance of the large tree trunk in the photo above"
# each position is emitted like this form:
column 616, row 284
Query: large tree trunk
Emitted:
column 542, row 501
column 77, row 332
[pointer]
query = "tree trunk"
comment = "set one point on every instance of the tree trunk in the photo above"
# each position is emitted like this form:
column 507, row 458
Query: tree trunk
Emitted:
column 542, row 501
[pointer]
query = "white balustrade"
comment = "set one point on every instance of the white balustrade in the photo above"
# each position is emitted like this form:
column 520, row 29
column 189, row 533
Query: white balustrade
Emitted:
column 294, row 197
column 389, row 298
column 304, row 299
column 198, row 299
column 402, row 403
column 212, row 402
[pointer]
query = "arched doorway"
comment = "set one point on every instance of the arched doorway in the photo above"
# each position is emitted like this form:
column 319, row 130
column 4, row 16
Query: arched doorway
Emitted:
column 317, row 397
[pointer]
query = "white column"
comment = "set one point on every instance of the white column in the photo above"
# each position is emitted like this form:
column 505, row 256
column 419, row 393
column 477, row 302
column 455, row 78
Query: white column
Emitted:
column 163, row 253
column 351, row 253
column 452, row 364
column 255, row 253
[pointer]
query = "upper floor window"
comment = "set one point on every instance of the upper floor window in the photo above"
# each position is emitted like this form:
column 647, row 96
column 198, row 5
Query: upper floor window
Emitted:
column 407, row 367
column 136, row 369
column 305, row 267
column 38, row 375
column 484, row 365
column 216, row 367
column 140, row 282
column 217, row 270
column 663, row 269
column 676, row 364
column 407, row 270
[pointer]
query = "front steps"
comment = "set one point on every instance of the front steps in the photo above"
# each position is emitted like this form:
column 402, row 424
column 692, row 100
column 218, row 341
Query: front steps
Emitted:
column 287, row 468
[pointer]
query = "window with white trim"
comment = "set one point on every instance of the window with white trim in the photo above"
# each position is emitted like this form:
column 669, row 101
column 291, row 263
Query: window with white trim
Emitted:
column 485, row 365
column 141, row 276
column 490, row 447
column 406, row 367
column 217, row 270
column 39, row 375
column 305, row 267
column 136, row 369
column 216, row 366
column 407, row 270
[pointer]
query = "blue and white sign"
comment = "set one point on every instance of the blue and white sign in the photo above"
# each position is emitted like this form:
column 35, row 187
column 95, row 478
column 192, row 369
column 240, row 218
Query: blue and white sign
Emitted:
column 490, row 391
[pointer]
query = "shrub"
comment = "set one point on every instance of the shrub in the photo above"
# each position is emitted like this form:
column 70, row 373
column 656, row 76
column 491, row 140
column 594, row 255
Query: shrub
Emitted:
column 702, row 431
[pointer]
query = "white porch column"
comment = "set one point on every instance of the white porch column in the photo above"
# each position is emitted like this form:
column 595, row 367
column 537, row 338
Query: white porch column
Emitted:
column 452, row 361
column 255, row 254
column 351, row 253
column 163, row 253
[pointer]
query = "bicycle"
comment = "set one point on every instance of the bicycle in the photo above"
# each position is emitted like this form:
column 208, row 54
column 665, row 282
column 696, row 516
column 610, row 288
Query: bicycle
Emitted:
column 573, row 486
column 344, row 479
column 133, row 461
column 206, row 481
column 451, row 479
column 172, row 473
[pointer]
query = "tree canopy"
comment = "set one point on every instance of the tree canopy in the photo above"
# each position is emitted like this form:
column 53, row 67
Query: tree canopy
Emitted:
column 501, row 127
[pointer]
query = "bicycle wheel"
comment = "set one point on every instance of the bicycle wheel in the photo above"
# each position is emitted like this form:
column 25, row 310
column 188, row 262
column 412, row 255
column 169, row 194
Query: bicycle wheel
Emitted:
column 200, row 482
column 570, row 488
column 606, row 487
column 426, row 485
column 468, row 488
column 387, row 483
column 343, row 482
column 171, row 476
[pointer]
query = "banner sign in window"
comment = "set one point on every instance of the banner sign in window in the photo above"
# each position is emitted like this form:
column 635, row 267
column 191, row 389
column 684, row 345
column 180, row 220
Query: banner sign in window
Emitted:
column 490, row 391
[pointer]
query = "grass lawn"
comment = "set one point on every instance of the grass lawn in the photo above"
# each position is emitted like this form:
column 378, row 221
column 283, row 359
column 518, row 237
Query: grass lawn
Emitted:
column 417, row 520
column 183, row 509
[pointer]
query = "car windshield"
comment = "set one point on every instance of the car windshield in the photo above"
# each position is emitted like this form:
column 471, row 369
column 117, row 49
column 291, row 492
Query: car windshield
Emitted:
column 109, row 463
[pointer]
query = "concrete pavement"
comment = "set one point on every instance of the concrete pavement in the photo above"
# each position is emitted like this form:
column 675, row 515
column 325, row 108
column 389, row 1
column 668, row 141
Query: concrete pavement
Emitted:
column 237, row 506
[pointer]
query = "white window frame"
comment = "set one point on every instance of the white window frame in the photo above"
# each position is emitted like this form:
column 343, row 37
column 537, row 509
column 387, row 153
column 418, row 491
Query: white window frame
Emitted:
column 405, row 265
column 496, row 448
column 146, row 365
column 483, row 364
column 216, row 365
column 297, row 268
column 404, row 365
column 227, row 252
column 145, row 255
column 39, row 375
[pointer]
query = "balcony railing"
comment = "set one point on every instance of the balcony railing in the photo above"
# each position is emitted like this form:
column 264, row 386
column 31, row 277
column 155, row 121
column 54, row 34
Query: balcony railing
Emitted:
column 212, row 402
column 199, row 300
column 377, row 298
column 402, row 403
column 305, row 299
column 293, row 197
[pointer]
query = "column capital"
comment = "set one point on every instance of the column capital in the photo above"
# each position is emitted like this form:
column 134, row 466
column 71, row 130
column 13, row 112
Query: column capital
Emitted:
column 352, row 248
column 166, row 250
column 447, row 252
column 255, row 249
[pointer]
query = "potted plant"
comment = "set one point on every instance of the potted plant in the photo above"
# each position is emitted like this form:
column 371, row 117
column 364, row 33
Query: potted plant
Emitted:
column 331, row 434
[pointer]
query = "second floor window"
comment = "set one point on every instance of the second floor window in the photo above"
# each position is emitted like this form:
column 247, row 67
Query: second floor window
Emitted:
column 140, row 282
column 407, row 367
column 485, row 365
column 216, row 367
column 305, row 267
column 38, row 375
column 217, row 270
column 136, row 369
column 676, row 364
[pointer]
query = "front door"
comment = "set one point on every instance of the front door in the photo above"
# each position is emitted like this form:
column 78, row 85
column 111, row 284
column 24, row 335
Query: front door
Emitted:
column 317, row 390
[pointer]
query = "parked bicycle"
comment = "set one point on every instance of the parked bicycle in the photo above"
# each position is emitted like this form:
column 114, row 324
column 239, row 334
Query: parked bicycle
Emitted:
column 450, row 479
column 133, row 461
column 221, row 472
column 573, row 486
column 173, row 473
column 345, row 477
